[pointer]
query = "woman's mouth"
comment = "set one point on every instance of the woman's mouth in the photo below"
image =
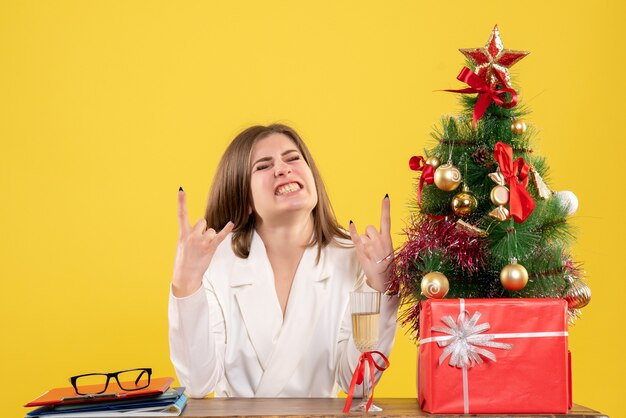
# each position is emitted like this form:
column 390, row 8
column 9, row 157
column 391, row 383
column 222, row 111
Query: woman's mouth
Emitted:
column 287, row 188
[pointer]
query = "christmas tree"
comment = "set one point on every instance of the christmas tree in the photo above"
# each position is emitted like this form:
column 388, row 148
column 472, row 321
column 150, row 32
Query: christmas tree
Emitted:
column 484, row 222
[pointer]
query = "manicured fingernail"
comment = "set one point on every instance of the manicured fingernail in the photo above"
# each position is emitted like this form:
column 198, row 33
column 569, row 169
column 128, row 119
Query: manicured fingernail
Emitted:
column 351, row 222
column 180, row 189
column 386, row 195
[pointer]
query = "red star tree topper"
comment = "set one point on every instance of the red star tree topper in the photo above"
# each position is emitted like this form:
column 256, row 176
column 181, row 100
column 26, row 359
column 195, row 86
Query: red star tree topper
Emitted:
column 493, row 61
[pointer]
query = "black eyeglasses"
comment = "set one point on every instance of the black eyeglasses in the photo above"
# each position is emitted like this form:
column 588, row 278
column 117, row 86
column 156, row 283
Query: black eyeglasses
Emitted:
column 127, row 380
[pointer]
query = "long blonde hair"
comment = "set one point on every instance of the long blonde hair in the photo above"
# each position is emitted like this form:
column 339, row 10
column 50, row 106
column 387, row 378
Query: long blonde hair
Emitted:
column 230, row 197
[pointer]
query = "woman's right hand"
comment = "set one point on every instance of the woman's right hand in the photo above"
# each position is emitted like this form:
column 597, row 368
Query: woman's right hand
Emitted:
column 195, row 249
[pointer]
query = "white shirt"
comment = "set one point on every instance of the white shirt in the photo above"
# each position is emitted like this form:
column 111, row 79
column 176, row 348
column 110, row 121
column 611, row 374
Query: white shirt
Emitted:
column 230, row 336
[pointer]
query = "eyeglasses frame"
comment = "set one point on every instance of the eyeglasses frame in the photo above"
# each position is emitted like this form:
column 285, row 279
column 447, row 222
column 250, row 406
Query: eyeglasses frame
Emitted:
column 115, row 375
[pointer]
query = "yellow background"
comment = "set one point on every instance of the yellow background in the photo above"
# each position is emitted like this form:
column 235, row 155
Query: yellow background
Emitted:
column 107, row 107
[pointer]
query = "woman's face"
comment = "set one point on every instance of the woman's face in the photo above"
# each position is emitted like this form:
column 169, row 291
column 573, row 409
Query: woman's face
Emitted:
column 281, row 181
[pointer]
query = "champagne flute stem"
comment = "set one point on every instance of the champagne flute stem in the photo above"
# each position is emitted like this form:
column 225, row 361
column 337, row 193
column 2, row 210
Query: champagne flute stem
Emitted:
column 366, row 387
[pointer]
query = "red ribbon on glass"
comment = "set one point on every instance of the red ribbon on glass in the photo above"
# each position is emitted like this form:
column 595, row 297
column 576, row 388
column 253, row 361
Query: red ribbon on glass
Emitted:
column 486, row 93
column 418, row 163
column 359, row 376
column 521, row 203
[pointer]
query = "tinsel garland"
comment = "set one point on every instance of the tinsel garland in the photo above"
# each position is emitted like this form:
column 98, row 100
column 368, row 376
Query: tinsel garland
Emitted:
column 468, row 254
column 425, row 235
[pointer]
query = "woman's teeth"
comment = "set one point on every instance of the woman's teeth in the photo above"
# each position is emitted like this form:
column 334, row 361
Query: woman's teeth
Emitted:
column 287, row 188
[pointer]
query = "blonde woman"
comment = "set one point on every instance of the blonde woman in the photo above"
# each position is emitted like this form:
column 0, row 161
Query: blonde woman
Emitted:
column 259, row 297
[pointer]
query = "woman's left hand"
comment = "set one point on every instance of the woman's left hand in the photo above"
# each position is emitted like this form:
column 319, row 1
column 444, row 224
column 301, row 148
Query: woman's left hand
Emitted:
column 375, row 249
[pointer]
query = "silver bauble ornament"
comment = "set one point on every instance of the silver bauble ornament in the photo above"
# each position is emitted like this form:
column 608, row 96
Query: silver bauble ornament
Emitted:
column 568, row 200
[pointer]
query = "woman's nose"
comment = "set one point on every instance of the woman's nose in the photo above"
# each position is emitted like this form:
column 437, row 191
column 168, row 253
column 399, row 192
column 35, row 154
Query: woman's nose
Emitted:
column 281, row 169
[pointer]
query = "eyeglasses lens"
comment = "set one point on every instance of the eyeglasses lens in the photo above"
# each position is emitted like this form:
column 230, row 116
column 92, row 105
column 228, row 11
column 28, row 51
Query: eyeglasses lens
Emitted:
column 134, row 379
column 91, row 383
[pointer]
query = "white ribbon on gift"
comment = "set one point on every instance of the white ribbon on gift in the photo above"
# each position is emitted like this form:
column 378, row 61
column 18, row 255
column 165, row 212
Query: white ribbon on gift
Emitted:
column 465, row 341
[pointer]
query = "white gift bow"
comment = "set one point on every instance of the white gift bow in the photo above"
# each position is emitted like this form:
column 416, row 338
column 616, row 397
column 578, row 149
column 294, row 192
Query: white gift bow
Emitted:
column 465, row 341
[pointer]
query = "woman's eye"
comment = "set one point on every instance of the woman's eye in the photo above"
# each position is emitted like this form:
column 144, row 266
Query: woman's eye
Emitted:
column 293, row 158
column 261, row 167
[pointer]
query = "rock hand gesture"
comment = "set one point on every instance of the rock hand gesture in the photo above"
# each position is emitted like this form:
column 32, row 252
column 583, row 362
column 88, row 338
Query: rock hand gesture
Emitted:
column 375, row 249
column 195, row 249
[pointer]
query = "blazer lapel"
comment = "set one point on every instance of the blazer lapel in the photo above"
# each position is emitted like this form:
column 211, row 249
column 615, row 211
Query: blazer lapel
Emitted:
column 257, row 299
column 307, row 301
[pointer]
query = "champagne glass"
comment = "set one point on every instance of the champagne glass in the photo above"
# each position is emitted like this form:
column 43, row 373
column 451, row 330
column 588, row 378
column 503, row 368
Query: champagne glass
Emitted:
column 365, row 309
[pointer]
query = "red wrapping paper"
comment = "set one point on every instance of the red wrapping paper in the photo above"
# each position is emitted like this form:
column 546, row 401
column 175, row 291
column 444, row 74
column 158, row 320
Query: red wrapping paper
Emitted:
column 532, row 377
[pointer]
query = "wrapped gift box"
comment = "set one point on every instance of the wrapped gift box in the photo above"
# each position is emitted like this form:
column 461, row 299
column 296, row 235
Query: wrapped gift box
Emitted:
column 501, row 356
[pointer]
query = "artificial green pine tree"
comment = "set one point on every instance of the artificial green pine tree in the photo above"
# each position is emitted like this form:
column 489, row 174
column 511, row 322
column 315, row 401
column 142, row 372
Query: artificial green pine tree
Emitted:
column 484, row 217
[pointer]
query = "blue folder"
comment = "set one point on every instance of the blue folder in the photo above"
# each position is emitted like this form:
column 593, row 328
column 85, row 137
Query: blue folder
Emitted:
column 174, row 397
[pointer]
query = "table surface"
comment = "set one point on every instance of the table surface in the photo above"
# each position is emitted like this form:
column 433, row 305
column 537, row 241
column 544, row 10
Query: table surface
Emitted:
column 328, row 407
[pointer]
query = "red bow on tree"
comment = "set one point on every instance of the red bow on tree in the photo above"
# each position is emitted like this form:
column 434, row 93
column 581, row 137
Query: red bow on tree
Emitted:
column 486, row 93
column 428, row 175
column 521, row 203
column 359, row 376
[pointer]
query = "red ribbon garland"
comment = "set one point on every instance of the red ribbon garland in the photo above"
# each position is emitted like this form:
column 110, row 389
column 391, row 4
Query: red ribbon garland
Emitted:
column 418, row 163
column 486, row 93
column 521, row 203
column 359, row 376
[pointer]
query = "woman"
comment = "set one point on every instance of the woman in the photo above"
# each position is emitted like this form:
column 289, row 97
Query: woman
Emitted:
column 260, row 308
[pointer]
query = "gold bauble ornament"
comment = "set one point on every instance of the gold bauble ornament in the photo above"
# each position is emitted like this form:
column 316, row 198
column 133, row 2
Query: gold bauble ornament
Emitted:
column 578, row 295
column 433, row 161
column 435, row 285
column 464, row 203
column 518, row 127
column 447, row 177
column 513, row 276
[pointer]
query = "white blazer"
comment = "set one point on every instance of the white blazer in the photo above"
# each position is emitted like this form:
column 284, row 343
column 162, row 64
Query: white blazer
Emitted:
column 230, row 336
